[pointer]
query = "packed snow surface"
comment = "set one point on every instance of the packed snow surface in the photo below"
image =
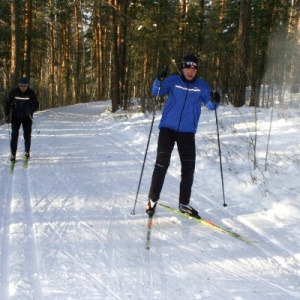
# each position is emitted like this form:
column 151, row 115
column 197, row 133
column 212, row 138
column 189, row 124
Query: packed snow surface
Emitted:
column 70, row 227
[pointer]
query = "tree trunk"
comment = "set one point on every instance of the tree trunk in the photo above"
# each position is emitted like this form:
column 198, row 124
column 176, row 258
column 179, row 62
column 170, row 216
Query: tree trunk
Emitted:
column 96, row 55
column 115, row 89
column 28, row 38
column 241, row 76
column 15, row 44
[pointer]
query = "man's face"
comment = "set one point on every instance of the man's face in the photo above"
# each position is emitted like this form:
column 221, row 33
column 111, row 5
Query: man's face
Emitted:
column 23, row 87
column 189, row 73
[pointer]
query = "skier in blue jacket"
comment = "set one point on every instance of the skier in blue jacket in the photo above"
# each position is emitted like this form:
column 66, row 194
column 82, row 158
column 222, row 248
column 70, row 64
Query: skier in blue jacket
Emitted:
column 185, row 95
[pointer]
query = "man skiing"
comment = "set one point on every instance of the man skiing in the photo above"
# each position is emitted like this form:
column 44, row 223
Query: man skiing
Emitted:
column 185, row 95
column 19, row 108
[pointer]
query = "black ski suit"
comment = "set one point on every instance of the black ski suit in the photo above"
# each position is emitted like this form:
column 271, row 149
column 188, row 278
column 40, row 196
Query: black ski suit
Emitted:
column 19, row 108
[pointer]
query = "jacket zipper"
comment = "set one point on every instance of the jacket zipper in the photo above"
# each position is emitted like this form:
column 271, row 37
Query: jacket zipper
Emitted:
column 187, row 91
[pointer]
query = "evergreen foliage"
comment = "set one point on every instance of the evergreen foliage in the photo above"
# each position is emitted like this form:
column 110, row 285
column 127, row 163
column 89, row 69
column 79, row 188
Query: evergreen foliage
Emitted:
column 90, row 50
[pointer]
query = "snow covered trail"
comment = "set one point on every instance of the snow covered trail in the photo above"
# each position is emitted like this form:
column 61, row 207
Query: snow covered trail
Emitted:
column 67, row 232
column 19, row 259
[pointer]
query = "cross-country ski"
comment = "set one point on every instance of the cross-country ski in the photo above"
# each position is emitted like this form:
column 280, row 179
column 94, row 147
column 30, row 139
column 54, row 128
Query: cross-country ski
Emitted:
column 149, row 228
column 25, row 164
column 12, row 167
column 211, row 224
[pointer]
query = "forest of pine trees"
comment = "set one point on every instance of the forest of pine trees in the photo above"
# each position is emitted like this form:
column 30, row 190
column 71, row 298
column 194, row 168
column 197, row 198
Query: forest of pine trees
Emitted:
column 90, row 50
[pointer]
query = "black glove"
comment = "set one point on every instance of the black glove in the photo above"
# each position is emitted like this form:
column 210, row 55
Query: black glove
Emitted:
column 215, row 97
column 7, row 119
column 163, row 73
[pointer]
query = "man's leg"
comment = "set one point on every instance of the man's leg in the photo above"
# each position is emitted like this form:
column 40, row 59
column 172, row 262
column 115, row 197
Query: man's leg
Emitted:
column 165, row 146
column 187, row 152
column 27, row 127
column 15, row 127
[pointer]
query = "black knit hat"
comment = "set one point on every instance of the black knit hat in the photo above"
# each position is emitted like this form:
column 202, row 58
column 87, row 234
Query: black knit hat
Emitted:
column 189, row 61
column 23, row 80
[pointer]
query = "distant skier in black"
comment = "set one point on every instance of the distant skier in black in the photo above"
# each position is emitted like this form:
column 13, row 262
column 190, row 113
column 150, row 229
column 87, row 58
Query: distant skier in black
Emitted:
column 19, row 108
column 186, row 93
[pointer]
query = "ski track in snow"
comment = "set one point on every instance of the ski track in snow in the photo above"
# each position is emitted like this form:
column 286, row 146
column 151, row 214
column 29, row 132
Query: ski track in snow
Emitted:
column 5, row 233
column 265, row 244
column 18, row 245
column 71, row 235
column 229, row 266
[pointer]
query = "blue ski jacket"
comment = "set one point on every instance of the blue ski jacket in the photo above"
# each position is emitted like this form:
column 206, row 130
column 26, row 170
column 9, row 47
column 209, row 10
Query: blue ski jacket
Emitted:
column 183, row 105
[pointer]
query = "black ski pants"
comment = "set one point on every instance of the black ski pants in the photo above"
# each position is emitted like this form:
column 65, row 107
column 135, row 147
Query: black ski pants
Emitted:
column 187, row 153
column 15, row 128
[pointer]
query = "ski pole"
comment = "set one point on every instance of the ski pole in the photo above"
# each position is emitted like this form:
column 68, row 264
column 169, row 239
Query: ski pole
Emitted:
column 8, row 128
column 145, row 156
column 220, row 156
column 34, row 124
